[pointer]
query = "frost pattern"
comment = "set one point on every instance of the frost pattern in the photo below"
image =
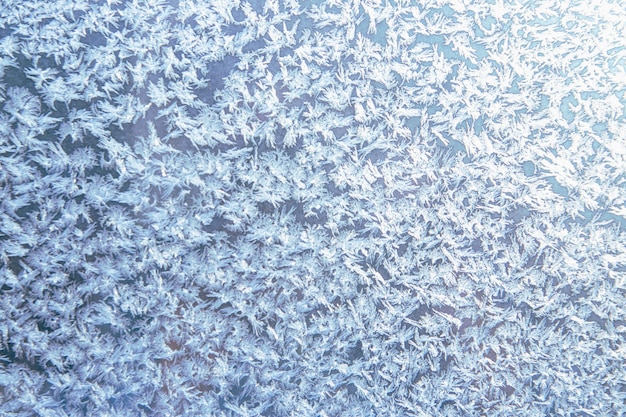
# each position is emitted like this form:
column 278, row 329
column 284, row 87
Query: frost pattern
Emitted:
column 284, row 208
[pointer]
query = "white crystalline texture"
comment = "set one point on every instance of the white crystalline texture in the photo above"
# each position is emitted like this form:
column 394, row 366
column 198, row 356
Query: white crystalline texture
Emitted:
column 304, row 208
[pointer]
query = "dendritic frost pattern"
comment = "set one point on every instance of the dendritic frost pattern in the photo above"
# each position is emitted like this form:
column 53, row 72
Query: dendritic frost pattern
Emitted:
column 312, row 208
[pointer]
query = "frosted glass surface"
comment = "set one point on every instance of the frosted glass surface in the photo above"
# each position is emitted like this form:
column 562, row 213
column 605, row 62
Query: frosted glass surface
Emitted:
column 315, row 208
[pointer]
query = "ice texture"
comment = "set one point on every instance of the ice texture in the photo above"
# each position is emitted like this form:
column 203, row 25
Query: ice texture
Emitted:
column 312, row 208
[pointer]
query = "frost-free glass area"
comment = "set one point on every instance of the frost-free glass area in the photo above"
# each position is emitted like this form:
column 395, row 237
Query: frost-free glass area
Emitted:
column 312, row 208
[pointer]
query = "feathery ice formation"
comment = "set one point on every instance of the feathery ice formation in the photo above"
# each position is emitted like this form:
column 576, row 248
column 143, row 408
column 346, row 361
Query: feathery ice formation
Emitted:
column 316, row 208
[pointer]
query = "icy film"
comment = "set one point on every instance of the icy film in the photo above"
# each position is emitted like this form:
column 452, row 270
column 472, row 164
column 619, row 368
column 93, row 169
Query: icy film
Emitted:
column 343, row 208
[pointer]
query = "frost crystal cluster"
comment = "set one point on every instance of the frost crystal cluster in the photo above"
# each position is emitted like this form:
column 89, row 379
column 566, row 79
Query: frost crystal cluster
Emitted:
column 312, row 208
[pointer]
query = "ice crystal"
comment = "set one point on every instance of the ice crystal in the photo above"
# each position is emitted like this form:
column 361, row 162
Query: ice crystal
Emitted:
column 341, row 208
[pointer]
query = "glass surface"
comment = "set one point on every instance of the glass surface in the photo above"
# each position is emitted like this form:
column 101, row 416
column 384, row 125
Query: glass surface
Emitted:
column 312, row 208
